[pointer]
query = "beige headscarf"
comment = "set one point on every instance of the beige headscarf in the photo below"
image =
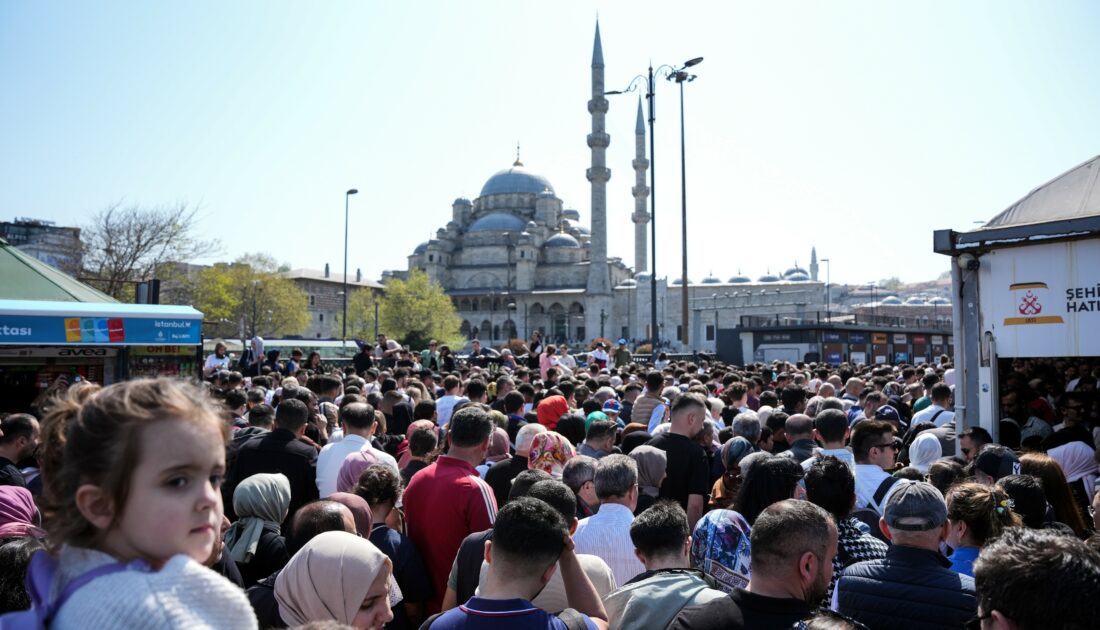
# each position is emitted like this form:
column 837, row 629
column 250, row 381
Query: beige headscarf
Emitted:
column 651, row 468
column 329, row 577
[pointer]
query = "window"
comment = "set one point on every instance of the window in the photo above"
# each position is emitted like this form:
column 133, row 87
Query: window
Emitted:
column 321, row 316
column 710, row 332
column 431, row 257
column 312, row 300
column 679, row 332
column 522, row 254
column 580, row 332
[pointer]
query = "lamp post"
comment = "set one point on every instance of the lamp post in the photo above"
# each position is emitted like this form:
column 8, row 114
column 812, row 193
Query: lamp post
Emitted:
column 681, row 77
column 344, row 334
column 650, row 95
column 828, row 282
column 603, row 318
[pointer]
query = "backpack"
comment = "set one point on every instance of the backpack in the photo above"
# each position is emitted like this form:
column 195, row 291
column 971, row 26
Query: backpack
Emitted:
column 41, row 571
column 572, row 619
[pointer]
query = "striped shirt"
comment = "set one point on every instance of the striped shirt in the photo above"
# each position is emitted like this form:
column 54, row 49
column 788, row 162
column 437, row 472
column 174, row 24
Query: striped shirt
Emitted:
column 606, row 534
column 444, row 503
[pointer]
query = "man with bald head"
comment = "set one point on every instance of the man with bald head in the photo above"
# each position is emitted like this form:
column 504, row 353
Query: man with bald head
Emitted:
column 800, row 434
column 852, row 389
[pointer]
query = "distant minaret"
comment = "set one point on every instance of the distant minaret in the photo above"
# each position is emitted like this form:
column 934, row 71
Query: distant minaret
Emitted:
column 813, row 263
column 599, row 277
column 641, row 193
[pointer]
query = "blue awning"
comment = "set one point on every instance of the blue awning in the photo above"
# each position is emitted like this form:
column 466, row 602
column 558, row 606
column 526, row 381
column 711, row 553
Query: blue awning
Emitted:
column 27, row 322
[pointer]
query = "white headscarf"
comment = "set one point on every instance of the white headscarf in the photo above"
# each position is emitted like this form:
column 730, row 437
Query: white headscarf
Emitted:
column 924, row 450
column 1076, row 460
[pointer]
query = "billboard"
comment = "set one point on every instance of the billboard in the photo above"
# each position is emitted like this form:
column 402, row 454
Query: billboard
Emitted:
column 1043, row 300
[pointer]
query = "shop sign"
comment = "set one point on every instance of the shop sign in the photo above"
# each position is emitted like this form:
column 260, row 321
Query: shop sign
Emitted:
column 98, row 331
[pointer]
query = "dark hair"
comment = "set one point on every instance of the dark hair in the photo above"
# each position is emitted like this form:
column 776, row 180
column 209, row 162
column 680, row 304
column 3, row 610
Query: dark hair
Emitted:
column 291, row 414
column 831, row 424
column 787, row 529
column 17, row 425
column 777, row 421
column 476, row 388
column 378, row 485
column 469, row 426
column 831, row 485
column 15, row 555
column 654, row 381
column 358, row 416
column 424, row 410
column 688, row 401
column 261, row 416
column 979, row 435
column 1039, row 579
column 557, row 495
column 93, row 436
column 571, row 425
column 423, row 440
column 234, row 399
column 1058, row 492
column 868, row 434
column 792, row 395
column 600, row 429
column 523, row 482
column 1028, row 498
column 660, row 529
column 513, row 402
column 315, row 517
column 940, row 391
column 944, row 473
column 528, row 537
column 325, row 383
column 768, row 482
column 985, row 510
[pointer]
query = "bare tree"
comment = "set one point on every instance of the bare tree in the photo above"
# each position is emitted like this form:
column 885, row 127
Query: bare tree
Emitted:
column 124, row 245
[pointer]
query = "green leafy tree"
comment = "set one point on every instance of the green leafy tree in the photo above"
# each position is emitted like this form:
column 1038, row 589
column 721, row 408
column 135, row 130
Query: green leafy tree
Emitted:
column 417, row 310
column 890, row 284
column 361, row 312
column 249, row 297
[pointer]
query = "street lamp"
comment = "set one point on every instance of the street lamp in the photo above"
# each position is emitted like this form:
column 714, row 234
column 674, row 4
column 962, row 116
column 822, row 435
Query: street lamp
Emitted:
column 344, row 335
column 680, row 77
column 828, row 282
column 650, row 95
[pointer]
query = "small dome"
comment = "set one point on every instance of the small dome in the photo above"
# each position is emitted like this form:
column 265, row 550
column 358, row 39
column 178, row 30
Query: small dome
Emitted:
column 421, row 248
column 572, row 215
column 642, row 276
column 516, row 180
column 562, row 240
column 580, row 228
column 794, row 271
column 680, row 281
column 915, row 300
column 628, row 283
column 768, row 278
column 892, row 299
column 939, row 301
column 711, row 280
column 462, row 201
column 796, row 277
column 498, row 222
column 740, row 279
column 546, row 194
column 531, row 225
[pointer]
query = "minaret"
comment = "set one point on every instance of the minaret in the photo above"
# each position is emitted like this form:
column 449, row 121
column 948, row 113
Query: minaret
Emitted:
column 641, row 193
column 599, row 278
column 813, row 263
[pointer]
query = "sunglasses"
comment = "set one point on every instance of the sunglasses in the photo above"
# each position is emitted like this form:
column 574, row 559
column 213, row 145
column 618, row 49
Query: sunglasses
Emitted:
column 887, row 445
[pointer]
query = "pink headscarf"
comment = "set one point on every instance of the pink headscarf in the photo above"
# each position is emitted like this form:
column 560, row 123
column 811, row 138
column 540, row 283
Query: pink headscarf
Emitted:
column 549, row 453
column 353, row 466
column 18, row 514
column 498, row 446
column 360, row 510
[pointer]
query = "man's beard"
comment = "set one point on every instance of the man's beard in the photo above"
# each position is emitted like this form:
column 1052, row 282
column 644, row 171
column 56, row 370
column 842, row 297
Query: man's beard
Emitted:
column 819, row 588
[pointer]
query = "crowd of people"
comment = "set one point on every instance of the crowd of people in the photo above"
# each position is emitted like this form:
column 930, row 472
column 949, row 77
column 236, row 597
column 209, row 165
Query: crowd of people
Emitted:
column 422, row 490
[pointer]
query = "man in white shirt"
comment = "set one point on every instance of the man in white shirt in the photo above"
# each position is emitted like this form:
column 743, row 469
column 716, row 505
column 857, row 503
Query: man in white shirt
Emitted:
column 358, row 422
column 606, row 534
column 445, row 405
column 875, row 453
column 937, row 413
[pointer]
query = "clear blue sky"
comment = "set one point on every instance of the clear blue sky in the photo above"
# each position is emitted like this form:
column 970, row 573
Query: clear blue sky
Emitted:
column 856, row 126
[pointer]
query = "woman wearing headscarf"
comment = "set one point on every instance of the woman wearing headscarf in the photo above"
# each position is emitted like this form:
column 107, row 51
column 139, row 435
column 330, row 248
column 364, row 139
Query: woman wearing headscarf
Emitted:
column 550, row 410
column 725, row 489
column 634, row 439
column 338, row 577
column 19, row 516
column 924, row 450
column 498, row 450
column 1078, row 462
column 651, row 472
column 360, row 511
column 720, row 548
column 549, row 453
column 255, row 542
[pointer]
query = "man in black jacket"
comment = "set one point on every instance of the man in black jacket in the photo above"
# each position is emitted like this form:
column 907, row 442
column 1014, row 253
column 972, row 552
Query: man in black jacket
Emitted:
column 913, row 587
column 280, row 451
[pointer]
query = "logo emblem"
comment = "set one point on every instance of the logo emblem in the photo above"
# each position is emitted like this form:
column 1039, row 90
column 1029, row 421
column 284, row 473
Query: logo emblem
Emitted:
column 1029, row 306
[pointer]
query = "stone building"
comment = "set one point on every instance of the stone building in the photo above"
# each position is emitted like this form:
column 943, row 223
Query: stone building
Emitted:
column 325, row 298
column 58, row 246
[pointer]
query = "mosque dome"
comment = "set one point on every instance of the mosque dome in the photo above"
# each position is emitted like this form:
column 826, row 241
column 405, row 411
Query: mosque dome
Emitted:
column 462, row 201
column 680, row 281
column 642, row 276
column 939, row 301
column 516, row 180
column 915, row 300
column 711, row 280
column 740, row 279
column 768, row 278
column 562, row 240
column 580, row 228
column 628, row 283
column 798, row 276
column 795, row 271
column 421, row 248
column 498, row 221
column 892, row 299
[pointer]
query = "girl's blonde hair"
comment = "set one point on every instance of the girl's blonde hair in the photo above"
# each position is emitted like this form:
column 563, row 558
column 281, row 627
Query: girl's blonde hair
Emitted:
column 93, row 436
column 986, row 510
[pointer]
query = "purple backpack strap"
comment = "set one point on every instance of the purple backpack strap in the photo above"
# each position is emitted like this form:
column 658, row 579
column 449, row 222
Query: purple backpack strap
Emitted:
column 41, row 572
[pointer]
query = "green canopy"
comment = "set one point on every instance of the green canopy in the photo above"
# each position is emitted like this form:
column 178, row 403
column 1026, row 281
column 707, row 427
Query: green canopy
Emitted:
column 24, row 277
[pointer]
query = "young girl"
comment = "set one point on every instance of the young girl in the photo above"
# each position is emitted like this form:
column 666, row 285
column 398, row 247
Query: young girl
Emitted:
column 977, row 514
column 132, row 475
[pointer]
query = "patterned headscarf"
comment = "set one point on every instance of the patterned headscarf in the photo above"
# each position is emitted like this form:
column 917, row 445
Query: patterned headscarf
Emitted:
column 734, row 450
column 549, row 453
column 720, row 548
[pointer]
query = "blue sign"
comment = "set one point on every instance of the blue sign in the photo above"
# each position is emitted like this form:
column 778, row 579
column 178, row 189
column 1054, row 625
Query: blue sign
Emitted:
column 857, row 337
column 828, row 337
column 31, row 330
column 832, row 358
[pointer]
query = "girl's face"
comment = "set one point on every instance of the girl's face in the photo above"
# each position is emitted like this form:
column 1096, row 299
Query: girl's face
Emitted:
column 375, row 611
column 174, row 504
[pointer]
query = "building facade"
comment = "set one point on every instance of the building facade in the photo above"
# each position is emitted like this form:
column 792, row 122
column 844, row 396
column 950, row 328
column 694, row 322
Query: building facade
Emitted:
column 325, row 298
column 59, row 247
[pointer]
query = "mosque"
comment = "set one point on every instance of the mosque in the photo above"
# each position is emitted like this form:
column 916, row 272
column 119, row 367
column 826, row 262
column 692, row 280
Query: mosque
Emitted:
column 514, row 260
